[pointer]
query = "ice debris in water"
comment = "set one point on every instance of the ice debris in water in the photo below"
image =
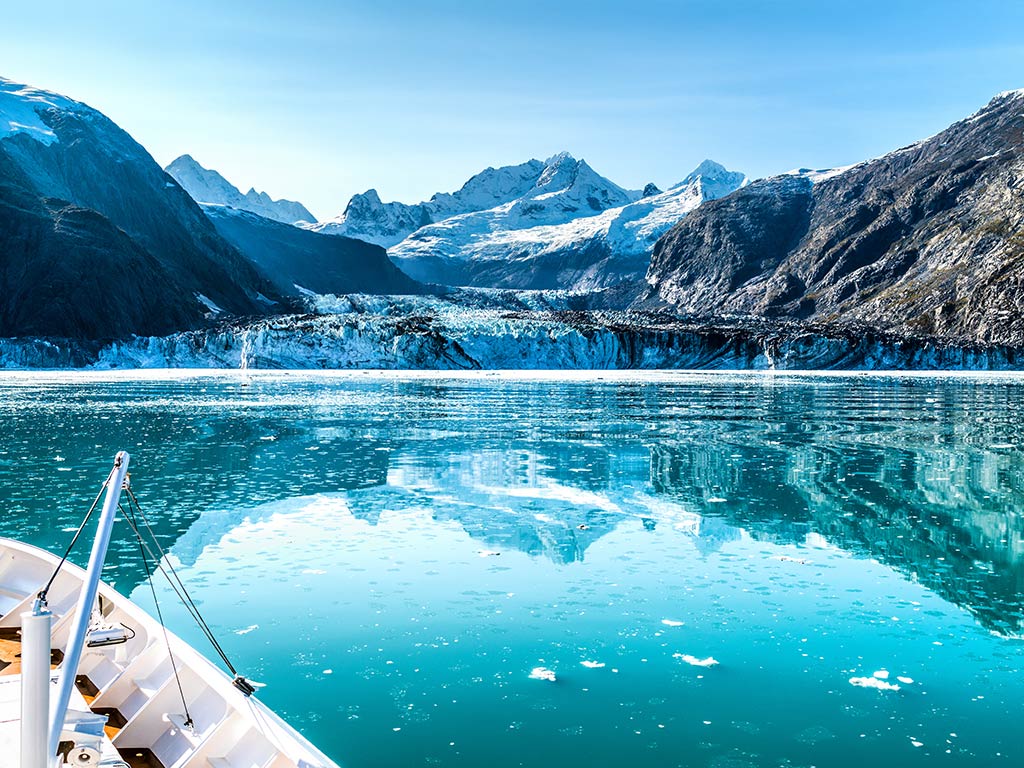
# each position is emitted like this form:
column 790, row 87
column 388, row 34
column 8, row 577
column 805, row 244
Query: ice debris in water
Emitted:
column 905, row 680
column 873, row 682
column 671, row 623
column 542, row 673
column 247, row 630
column 488, row 553
column 882, row 674
column 693, row 661
column 589, row 664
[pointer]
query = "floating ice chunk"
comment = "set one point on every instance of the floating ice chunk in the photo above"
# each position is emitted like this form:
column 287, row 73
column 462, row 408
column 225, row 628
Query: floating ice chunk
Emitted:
column 882, row 674
column 488, row 553
column 917, row 743
column 905, row 680
column 873, row 682
column 328, row 672
column 247, row 630
column 542, row 673
column 591, row 664
column 693, row 661
column 717, row 500
column 788, row 559
column 671, row 623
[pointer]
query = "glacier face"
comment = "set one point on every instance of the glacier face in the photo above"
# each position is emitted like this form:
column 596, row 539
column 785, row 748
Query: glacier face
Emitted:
column 504, row 330
column 209, row 187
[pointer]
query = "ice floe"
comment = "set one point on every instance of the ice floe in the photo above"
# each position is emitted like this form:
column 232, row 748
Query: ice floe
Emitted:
column 542, row 673
column 873, row 682
column 693, row 661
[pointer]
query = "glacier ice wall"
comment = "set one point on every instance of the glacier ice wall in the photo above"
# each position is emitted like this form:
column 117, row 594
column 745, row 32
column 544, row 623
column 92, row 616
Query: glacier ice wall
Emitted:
column 426, row 333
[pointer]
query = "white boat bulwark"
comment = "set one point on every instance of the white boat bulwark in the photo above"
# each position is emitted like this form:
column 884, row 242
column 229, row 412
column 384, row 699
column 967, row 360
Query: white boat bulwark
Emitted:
column 133, row 684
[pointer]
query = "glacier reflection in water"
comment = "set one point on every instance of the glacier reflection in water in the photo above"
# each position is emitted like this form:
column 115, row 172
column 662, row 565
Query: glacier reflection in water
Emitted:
column 395, row 554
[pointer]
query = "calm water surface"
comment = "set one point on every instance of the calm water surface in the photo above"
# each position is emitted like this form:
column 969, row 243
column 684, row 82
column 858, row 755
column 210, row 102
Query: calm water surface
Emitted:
column 393, row 554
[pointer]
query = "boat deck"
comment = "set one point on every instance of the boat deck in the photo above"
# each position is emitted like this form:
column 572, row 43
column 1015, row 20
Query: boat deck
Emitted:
column 10, row 652
column 10, row 704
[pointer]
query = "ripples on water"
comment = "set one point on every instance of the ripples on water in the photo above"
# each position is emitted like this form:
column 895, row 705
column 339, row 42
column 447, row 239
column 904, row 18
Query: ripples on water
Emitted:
column 394, row 554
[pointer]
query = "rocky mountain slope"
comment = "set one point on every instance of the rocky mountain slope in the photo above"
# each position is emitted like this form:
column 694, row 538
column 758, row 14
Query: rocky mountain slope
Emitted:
column 927, row 239
column 299, row 262
column 95, row 239
column 208, row 186
column 587, row 235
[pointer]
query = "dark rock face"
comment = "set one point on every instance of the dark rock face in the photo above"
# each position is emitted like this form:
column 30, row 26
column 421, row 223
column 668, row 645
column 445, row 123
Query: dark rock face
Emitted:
column 927, row 239
column 96, row 241
column 290, row 257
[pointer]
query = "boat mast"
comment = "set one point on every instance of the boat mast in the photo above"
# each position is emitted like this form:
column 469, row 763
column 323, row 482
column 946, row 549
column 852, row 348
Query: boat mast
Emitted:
column 86, row 600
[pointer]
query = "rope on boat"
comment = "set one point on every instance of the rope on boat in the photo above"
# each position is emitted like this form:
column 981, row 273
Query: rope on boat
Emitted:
column 178, row 586
column 74, row 540
column 130, row 517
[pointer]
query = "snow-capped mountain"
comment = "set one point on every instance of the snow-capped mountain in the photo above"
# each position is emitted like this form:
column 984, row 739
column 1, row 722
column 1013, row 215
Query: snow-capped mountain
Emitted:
column 367, row 218
column 96, row 241
column 207, row 186
column 575, row 229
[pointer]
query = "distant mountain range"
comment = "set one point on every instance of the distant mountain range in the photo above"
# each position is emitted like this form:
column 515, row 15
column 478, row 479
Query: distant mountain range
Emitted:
column 575, row 231
column 97, row 242
column 556, row 224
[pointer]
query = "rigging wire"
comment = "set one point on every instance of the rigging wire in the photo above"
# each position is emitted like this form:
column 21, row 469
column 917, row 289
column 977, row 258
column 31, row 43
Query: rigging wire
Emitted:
column 41, row 596
column 130, row 517
column 178, row 586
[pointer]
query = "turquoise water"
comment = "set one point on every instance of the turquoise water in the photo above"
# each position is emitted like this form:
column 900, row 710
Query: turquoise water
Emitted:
column 393, row 555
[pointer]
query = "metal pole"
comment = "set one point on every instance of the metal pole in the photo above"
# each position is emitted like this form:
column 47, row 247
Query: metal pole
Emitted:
column 86, row 600
column 35, row 686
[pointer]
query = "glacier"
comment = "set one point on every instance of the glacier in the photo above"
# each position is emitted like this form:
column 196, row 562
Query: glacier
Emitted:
column 504, row 330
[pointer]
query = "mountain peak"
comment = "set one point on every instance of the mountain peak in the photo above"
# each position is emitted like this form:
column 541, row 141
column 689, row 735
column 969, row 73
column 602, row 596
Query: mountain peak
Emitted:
column 715, row 179
column 206, row 185
column 560, row 158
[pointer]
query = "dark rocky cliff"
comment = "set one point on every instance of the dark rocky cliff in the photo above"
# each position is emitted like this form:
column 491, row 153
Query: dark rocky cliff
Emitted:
column 291, row 257
column 927, row 239
column 96, row 241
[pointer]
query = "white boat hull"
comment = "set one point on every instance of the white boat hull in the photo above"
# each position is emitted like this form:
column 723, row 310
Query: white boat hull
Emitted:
column 135, row 679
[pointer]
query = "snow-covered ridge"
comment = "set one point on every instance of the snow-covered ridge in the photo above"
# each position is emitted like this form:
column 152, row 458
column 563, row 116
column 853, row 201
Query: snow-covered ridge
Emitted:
column 588, row 213
column 534, row 191
column 207, row 186
column 20, row 107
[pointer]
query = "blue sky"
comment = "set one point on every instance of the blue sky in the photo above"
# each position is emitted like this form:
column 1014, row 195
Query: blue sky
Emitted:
column 317, row 100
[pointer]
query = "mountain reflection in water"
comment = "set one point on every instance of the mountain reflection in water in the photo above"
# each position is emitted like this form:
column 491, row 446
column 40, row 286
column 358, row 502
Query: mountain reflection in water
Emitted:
column 356, row 524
